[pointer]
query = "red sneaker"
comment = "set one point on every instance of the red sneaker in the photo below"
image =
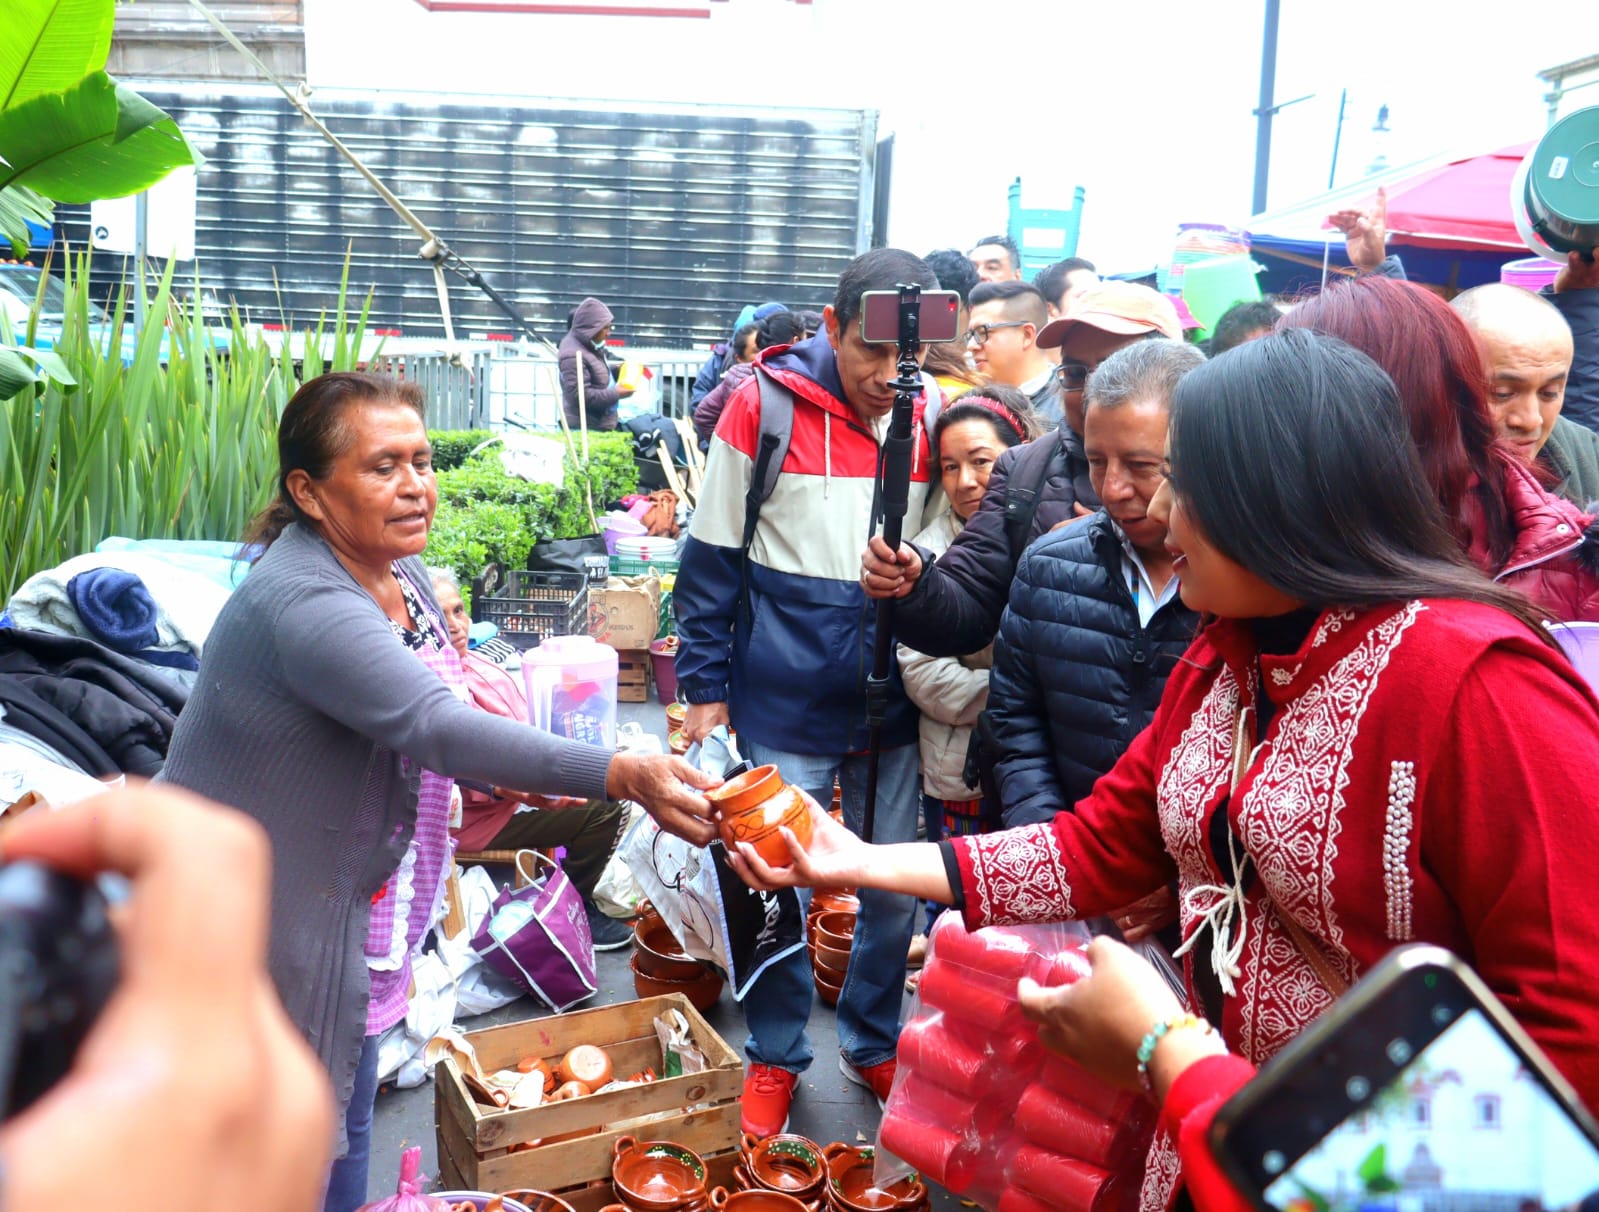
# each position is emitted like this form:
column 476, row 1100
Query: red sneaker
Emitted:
column 878, row 1078
column 768, row 1094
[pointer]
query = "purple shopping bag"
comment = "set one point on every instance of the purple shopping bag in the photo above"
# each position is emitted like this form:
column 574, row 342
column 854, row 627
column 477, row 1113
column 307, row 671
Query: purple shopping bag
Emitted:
column 538, row 938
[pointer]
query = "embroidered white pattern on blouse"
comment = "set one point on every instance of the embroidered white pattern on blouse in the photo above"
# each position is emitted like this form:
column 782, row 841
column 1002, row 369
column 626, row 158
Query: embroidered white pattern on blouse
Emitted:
column 1020, row 875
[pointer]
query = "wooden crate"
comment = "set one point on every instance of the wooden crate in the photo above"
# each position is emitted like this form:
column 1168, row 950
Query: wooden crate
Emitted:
column 699, row 1111
column 633, row 677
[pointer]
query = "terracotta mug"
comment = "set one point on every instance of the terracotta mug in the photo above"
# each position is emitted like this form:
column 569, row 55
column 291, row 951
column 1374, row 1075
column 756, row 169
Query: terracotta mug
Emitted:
column 754, row 805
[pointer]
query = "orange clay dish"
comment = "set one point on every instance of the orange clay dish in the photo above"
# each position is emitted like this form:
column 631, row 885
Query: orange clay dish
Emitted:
column 754, row 806
column 586, row 1064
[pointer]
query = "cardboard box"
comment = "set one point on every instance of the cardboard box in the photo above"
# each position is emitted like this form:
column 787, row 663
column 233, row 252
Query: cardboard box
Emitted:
column 699, row 1110
column 626, row 614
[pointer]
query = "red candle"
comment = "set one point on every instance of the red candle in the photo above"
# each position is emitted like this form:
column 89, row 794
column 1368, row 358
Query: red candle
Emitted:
column 1063, row 1182
column 1067, row 1078
column 1063, row 1126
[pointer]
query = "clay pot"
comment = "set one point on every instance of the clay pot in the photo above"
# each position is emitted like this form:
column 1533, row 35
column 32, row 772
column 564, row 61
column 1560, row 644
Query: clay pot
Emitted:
column 837, row 898
column 656, row 1175
column 586, row 1064
column 703, row 992
column 828, row 989
column 787, row 1162
column 478, row 1198
column 850, row 1186
column 677, row 742
column 754, row 1200
column 676, row 716
column 658, row 953
column 537, row 1201
column 836, row 929
column 834, row 959
column 754, row 806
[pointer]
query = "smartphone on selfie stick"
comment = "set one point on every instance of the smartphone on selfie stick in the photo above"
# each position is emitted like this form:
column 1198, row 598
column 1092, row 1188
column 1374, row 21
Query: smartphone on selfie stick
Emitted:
column 1417, row 1090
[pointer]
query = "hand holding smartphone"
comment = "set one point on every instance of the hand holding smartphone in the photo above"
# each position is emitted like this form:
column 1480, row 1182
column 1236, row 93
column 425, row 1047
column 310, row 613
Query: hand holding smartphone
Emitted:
column 1417, row 1090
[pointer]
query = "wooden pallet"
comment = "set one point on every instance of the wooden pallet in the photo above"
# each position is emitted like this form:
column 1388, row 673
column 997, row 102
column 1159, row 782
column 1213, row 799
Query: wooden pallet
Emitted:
column 699, row 1111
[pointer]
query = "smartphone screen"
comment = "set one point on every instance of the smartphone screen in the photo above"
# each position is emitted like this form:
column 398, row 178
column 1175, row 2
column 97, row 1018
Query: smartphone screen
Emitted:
column 1417, row 1092
column 1463, row 1125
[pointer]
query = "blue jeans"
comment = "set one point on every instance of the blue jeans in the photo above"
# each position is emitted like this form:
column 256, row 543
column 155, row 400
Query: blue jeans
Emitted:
column 778, row 1005
column 347, row 1183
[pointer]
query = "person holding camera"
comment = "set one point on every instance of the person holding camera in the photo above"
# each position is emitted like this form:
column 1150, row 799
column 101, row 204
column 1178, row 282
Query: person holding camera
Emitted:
column 776, row 638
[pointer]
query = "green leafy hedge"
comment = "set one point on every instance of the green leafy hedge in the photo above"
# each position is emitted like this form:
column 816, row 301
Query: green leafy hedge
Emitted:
column 487, row 516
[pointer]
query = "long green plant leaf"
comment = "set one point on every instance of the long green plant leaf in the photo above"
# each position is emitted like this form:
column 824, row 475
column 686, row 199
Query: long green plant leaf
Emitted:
column 19, row 204
column 16, row 373
column 47, row 45
column 97, row 139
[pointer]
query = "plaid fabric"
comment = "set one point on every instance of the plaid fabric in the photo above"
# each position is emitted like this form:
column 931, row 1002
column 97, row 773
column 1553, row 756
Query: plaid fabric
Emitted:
column 403, row 910
column 965, row 818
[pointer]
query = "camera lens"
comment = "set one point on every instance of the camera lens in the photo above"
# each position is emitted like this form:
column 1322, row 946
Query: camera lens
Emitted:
column 1272, row 1162
column 1441, row 1014
column 1357, row 1088
column 1399, row 1051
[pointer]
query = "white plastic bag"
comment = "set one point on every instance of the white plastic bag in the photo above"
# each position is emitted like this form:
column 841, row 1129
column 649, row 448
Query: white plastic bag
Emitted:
column 618, row 892
column 479, row 988
column 430, row 1010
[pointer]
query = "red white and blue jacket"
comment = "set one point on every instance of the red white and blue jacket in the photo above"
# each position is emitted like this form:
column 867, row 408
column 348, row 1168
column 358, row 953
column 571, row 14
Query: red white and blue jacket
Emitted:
column 792, row 663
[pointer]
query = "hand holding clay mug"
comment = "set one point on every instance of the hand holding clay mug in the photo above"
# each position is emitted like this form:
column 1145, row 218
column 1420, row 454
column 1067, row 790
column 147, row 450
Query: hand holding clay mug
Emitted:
column 831, row 857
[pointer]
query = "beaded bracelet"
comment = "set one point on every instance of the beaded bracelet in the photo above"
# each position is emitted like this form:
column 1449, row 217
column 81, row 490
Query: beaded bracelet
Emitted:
column 1146, row 1049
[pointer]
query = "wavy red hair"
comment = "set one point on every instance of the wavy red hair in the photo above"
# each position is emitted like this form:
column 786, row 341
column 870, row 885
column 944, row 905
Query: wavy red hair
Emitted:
column 1437, row 365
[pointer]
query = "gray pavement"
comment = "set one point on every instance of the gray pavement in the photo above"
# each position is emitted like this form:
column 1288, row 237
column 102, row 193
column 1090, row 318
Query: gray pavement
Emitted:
column 827, row 1107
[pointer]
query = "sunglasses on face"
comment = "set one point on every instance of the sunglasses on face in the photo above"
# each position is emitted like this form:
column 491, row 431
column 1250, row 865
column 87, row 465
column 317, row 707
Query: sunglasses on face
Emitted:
column 978, row 334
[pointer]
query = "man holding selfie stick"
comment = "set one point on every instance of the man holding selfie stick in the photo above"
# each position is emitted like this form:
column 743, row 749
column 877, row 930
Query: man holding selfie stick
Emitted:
column 776, row 639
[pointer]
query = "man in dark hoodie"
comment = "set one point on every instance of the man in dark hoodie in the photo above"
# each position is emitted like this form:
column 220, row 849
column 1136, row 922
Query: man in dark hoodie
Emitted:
column 775, row 638
column 582, row 353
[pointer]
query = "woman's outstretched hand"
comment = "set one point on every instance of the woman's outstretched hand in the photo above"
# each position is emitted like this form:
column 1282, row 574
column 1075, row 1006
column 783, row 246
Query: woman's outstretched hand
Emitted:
column 667, row 787
column 835, row 857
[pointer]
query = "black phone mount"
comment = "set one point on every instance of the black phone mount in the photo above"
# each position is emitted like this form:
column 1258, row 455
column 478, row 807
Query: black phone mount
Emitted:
column 893, row 495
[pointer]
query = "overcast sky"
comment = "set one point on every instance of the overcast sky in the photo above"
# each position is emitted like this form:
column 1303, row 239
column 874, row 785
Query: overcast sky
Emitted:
column 1147, row 105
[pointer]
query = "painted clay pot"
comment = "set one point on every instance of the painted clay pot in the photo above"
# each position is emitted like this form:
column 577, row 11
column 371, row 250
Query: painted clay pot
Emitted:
column 676, row 715
column 656, row 1175
column 754, row 806
column 787, row 1162
column 850, row 1185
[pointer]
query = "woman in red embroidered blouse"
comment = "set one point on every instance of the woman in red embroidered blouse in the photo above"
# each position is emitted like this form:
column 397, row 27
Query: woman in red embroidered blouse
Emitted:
column 1369, row 744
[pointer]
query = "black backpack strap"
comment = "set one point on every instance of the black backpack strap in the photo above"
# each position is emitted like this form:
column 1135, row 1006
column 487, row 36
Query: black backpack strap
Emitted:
column 1026, row 481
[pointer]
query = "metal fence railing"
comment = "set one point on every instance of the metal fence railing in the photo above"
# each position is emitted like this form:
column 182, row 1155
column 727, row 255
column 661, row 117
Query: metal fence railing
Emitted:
column 520, row 388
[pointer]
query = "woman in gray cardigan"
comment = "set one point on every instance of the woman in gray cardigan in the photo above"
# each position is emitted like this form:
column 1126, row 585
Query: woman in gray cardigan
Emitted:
column 307, row 699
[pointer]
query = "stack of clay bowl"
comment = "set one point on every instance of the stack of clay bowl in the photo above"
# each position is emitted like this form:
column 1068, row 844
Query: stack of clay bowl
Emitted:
column 657, row 1176
column 785, row 1164
column 661, row 966
column 850, row 1187
column 829, row 934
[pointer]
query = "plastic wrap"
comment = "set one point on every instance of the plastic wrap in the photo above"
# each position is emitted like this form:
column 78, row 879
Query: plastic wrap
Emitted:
column 408, row 1195
column 980, row 1107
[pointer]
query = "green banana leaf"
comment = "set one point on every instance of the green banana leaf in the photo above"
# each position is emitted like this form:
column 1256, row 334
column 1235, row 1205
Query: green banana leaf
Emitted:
column 97, row 139
column 17, row 205
column 49, row 45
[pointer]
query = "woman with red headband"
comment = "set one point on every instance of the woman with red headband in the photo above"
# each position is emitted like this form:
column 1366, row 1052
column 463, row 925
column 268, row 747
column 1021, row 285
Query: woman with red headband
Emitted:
column 969, row 436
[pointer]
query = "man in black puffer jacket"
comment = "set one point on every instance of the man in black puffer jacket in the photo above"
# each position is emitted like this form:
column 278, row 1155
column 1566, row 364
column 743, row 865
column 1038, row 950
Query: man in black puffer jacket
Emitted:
column 952, row 607
column 1095, row 624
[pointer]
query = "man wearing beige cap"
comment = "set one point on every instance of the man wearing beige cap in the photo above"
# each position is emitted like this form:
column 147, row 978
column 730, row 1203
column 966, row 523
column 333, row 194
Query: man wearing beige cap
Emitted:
column 953, row 607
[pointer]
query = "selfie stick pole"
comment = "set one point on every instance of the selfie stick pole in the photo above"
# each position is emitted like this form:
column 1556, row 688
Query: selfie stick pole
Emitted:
column 893, row 489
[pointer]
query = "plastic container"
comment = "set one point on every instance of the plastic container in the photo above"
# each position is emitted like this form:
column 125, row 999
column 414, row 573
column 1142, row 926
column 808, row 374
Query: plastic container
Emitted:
column 1530, row 273
column 620, row 525
column 571, row 688
column 663, row 664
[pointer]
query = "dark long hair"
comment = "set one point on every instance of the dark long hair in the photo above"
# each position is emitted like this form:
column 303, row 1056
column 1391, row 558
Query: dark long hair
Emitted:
column 312, row 433
column 1293, row 455
column 1437, row 366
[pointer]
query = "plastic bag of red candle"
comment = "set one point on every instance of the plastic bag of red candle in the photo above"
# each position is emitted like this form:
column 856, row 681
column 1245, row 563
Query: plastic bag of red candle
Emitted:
column 978, row 1105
